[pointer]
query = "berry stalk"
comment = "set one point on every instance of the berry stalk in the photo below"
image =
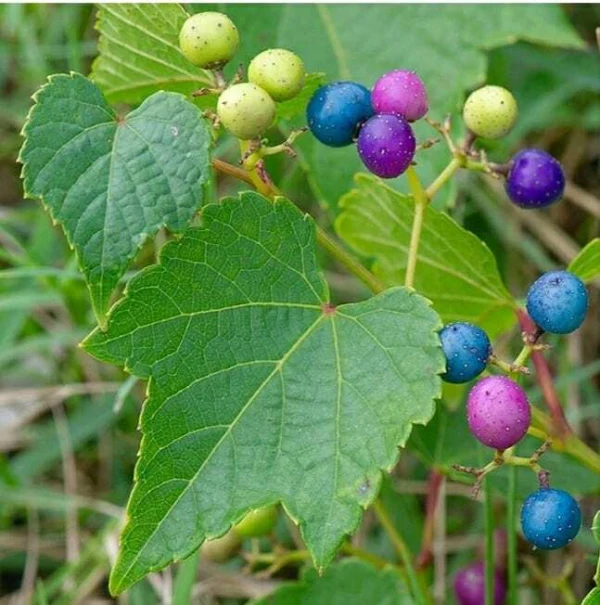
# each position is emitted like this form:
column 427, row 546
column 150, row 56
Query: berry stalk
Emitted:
column 421, row 201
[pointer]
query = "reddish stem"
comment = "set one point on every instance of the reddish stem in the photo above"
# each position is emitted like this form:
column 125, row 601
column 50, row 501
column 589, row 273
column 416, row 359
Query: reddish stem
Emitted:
column 545, row 380
column 425, row 556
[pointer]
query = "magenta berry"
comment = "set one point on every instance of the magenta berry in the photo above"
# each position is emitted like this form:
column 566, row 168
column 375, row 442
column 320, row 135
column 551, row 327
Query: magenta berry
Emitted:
column 535, row 179
column 469, row 585
column 498, row 412
column 401, row 93
column 386, row 145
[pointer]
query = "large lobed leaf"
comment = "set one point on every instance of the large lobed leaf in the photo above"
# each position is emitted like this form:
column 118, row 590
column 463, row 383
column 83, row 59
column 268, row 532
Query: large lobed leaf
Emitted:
column 110, row 182
column 455, row 269
column 260, row 390
column 350, row 582
column 586, row 265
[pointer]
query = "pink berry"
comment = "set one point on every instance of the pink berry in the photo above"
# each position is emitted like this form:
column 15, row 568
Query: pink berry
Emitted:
column 401, row 93
column 498, row 412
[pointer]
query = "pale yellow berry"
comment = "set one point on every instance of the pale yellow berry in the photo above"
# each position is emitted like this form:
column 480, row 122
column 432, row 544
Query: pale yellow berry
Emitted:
column 246, row 110
column 490, row 112
column 278, row 71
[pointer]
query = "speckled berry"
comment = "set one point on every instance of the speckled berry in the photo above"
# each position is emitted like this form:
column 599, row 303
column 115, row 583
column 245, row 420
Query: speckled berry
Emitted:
column 498, row 412
column 336, row 112
column 535, row 179
column 278, row 71
column 490, row 112
column 469, row 585
column 550, row 518
column 467, row 349
column 401, row 93
column 246, row 110
column 557, row 302
column 209, row 40
column 386, row 145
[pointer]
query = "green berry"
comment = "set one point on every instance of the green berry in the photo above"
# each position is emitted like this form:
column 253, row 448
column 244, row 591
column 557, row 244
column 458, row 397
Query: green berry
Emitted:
column 221, row 549
column 208, row 40
column 490, row 112
column 278, row 71
column 257, row 523
column 246, row 110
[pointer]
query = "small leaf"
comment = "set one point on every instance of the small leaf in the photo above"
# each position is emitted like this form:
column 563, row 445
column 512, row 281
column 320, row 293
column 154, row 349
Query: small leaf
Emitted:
column 455, row 269
column 350, row 582
column 260, row 390
column 139, row 52
column 586, row 265
column 111, row 182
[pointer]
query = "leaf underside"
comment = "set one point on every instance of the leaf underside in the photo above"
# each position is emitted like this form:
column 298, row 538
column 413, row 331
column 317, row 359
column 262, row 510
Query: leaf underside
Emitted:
column 111, row 182
column 260, row 390
column 455, row 269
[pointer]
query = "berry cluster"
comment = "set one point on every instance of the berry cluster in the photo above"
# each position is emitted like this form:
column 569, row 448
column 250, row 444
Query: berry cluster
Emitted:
column 498, row 411
column 341, row 113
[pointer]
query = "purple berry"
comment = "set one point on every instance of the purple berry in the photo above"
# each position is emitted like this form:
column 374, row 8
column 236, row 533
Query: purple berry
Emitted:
column 535, row 179
column 469, row 586
column 386, row 145
column 401, row 93
column 498, row 412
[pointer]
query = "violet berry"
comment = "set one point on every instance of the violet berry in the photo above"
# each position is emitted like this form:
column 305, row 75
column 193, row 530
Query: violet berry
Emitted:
column 469, row 585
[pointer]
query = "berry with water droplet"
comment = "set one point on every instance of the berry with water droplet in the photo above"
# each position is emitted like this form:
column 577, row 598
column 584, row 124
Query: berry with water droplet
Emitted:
column 535, row 179
column 209, row 40
column 467, row 349
column 337, row 110
column 401, row 93
column 557, row 302
column 498, row 412
column 469, row 585
column 550, row 518
column 490, row 112
column 278, row 71
column 386, row 145
column 246, row 110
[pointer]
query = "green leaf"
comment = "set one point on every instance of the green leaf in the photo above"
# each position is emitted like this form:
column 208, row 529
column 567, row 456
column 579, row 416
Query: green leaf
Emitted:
column 586, row 264
column 593, row 598
column 297, row 106
column 112, row 182
column 260, row 390
column 455, row 269
column 596, row 527
column 350, row 582
column 139, row 53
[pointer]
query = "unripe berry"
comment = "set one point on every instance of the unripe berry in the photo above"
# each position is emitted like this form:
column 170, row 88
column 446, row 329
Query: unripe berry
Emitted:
column 278, row 71
column 336, row 112
column 550, row 518
column 469, row 585
column 386, row 145
column 467, row 349
column 490, row 112
column 498, row 412
column 221, row 549
column 257, row 523
column 557, row 302
column 401, row 93
column 535, row 179
column 246, row 110
column 209, row 40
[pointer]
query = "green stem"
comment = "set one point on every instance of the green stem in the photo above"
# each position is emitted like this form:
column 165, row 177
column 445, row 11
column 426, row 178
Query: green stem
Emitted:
column 511, row 531
column 489, row 544
column 446, row 174
column 186, row 577
column 403, row 552
column 421, row 201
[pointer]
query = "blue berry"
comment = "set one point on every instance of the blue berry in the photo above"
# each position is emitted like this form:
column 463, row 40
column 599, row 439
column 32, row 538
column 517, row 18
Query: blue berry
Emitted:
column 336, row 111
column 557, row 302
column 550, row 518
column 467, row 349
column 386, row 145
column 535, row 179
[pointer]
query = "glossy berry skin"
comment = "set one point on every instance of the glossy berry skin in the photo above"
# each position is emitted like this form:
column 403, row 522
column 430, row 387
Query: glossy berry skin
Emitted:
column 401, row 93
column 386, row 145
column 209, row 40
column 498, row 412
column 246, row 110
column 490, row 112
column 467, row 349
column 336, row 111
column 469, row 586
column 535, row 179
column 550, row 518
column 278, row 71
column 557, row 302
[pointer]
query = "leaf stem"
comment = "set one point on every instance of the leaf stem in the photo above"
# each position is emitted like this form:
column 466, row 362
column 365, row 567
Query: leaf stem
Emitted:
column 512, row 536
column 489, row 544
column 455, row 163
column 421, row 201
